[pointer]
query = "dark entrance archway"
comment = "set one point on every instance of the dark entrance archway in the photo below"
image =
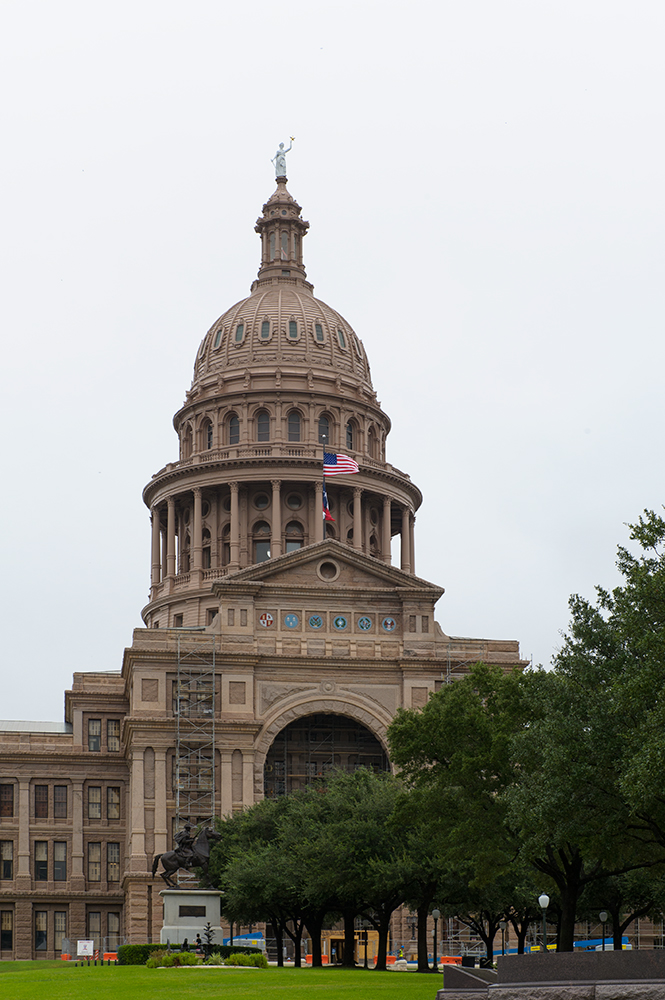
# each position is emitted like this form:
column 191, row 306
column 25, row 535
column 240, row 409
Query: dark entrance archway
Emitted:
column 308, row 748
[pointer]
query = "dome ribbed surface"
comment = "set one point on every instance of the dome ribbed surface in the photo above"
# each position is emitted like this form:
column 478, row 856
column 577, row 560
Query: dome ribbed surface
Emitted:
column 260, row 330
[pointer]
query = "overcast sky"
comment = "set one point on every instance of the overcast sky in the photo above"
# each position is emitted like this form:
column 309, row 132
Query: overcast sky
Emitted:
column 484, row 183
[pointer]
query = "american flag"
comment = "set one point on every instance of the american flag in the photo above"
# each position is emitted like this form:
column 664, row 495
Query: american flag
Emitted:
column 338, row 465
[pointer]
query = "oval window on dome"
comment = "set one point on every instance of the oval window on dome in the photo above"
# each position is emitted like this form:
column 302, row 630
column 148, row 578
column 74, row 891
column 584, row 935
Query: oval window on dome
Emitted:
column 318, row 331
column 293, row 329
column 240, row 332
column 218, row 337
column 342, row 339
column 265, row 330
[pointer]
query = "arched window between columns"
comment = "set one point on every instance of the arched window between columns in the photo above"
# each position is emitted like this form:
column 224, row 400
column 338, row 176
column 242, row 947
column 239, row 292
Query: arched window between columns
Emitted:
column 187, row 442
column 234, row 429
column 371, row 443
column 206, row 435
column 226, row 544
column 293, row 426
column 324, row 430
column 261, row 541
column 205, row 554
column 295, row 536
column 263, row 425
column 351, row 435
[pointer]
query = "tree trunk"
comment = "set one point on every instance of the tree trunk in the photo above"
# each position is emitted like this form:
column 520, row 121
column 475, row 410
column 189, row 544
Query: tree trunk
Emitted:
column 349, row 961
column 566, row 936
column 384, row 927
column 279, row 943
column 423, row 960
column 616, row 930
column 296, row 937
column 314, row 925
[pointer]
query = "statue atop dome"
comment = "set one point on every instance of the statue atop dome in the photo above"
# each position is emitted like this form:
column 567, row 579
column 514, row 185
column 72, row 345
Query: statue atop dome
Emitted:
column 279, row 159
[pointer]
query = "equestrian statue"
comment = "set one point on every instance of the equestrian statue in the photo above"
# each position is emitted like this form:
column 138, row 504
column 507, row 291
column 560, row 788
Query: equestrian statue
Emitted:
column 191, row 852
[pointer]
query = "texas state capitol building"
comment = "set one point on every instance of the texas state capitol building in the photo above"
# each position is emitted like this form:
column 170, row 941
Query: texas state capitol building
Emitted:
column 275, row 646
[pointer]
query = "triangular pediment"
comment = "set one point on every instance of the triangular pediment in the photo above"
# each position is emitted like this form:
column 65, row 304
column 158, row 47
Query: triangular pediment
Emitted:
column 329, row 564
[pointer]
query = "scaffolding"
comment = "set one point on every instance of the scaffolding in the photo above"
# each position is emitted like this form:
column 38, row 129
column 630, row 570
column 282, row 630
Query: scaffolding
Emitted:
column 194, row 709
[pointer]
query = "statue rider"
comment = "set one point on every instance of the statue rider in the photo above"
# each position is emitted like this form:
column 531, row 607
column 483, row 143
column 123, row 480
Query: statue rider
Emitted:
column 185, row 842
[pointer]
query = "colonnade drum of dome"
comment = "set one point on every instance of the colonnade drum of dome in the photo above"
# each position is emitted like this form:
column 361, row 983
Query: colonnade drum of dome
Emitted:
column 308, row 749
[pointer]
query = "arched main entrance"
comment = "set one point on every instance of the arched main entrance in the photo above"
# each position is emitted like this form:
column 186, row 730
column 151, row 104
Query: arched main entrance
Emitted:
column 309, row 747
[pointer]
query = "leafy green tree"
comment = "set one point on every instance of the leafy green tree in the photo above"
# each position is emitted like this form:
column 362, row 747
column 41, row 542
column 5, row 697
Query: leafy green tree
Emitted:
column 625, row 898
column 589, row 804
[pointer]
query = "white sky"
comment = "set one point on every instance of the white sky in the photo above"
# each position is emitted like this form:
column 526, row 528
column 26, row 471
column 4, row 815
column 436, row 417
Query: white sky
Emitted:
column 484, row 183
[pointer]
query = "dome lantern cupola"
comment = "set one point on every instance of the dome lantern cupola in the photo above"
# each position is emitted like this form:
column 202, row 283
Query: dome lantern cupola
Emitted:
column 281, row 230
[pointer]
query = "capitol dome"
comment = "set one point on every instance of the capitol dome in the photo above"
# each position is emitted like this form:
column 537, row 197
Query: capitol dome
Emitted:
column 281, row 322
column 279, row 379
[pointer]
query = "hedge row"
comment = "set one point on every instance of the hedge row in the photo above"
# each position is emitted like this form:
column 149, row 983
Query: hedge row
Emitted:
column 138, row 954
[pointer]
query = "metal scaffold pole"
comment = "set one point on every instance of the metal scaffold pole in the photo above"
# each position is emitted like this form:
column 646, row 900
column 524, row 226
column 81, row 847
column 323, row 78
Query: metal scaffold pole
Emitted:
column 194, row 706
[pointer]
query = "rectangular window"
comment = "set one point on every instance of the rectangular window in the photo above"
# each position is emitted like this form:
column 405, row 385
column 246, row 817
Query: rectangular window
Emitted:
column 319, row 331
column 95, row 927
column 94, row 862
column 40, row 930
column 113, row 735
column 41, row 860
column 114, row 931
column 293, row 329
column 6, row 859
column 94, row 802
column 113, row 803
column 60, row 801
column 265, row 330
column 59, row 928
column 211, row 614
column 113, row 862
column 60, row 861
column 6, row 930
column 41, row 801
column 177, row 621
column 94, row 735
column 6, row 800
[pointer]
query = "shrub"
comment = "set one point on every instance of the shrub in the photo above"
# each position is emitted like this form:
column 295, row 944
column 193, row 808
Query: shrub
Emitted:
column 136, row 954
column 162, row 959
column 256, row 960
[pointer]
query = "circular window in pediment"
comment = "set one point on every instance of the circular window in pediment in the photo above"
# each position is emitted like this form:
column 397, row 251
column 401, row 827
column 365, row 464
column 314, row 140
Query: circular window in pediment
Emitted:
column 328, row 570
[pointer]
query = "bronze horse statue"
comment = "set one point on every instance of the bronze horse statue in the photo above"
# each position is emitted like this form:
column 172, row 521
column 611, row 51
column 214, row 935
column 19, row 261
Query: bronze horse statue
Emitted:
column 195, row 854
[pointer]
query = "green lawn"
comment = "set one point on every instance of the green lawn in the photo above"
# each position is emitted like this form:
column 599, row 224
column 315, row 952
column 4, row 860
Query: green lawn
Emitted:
column 40, row 980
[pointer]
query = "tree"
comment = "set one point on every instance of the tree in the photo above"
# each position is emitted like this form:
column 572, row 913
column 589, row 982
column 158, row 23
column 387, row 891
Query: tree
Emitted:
column 589, row 804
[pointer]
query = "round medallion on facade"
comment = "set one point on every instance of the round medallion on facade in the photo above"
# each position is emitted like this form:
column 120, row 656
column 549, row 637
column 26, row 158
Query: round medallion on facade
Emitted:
column 340, row 622
column 389, row 624
column 316, row 621
column 266, row 620
column 291, row 621
column 328, row 687
column 365, row 623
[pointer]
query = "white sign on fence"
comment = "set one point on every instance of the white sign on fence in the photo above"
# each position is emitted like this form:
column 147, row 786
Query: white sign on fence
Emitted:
column 85, row 949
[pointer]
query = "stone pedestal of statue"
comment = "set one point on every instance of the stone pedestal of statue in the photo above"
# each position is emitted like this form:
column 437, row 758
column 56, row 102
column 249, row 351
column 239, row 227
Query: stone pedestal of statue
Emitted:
column 187, row 911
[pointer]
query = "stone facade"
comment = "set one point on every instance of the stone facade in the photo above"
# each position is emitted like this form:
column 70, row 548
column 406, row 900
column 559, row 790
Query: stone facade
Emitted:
column 294, row 621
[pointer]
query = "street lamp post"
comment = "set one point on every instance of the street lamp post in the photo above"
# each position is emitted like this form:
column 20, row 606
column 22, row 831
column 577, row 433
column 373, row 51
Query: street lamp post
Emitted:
column 603, row 920
column 436, row 914
column 503, row 925
column 543, row 903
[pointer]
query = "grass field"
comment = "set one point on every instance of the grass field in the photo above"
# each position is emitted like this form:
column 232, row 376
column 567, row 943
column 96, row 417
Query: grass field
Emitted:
column 43, row 980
